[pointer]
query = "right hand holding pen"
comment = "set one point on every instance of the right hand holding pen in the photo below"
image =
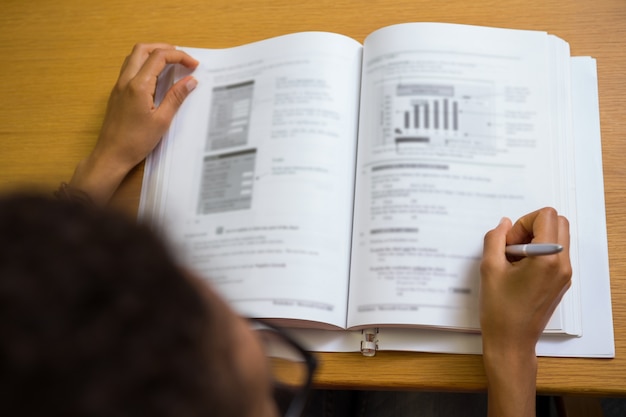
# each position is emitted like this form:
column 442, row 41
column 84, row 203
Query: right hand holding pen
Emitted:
column 517, row 300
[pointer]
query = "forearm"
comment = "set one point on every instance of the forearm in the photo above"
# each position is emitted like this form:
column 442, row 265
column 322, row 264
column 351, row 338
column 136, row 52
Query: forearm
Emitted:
column 511, row 380
column 98, row 178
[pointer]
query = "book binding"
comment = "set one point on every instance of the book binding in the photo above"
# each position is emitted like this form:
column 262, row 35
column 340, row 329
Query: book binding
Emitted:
column 369, row 344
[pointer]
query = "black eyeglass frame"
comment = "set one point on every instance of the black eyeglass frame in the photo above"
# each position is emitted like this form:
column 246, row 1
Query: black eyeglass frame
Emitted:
column 296, row 406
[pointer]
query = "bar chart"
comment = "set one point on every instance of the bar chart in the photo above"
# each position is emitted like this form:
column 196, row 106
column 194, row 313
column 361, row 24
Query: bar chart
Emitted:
column 420, row 115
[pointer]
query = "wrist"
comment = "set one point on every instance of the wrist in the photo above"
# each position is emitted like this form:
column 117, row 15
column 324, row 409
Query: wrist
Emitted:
column 501, row 353
column 497, row 358
column 98, row 177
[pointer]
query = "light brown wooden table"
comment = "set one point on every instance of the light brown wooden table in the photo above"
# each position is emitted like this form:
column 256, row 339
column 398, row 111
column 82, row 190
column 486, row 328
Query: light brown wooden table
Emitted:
column 61, row 57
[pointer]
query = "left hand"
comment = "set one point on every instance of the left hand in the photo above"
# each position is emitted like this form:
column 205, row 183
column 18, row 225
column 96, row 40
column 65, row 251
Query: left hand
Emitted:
column 133, row 124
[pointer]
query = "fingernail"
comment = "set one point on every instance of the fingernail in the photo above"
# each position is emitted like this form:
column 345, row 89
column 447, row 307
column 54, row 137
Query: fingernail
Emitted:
column 502, row 220
column 191, row 84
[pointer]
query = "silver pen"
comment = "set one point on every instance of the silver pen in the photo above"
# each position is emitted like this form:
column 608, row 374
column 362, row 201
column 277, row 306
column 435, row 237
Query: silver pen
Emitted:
column 533, row 249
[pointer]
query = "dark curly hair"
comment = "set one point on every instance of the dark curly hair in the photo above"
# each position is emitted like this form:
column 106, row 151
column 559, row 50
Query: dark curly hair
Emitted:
column 96, row 319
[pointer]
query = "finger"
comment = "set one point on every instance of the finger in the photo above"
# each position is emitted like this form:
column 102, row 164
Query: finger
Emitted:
column 157, row 61
column 138, row 57
column 564, row 240
column 538, row 226
column 174, row 98
column 495, row 242
column 564, row 234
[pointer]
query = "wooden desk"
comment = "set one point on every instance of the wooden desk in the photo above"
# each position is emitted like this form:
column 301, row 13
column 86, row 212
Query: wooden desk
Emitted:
column 61, row 57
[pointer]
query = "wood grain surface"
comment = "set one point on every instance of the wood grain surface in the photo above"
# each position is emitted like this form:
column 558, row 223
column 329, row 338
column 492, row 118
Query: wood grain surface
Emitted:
column 61, row 58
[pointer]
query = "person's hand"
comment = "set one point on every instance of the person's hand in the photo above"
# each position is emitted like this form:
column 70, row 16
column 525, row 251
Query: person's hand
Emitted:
column 133, row 124
column 517, row 300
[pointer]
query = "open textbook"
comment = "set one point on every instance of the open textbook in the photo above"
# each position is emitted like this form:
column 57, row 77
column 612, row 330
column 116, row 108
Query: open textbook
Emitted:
column 327, row 184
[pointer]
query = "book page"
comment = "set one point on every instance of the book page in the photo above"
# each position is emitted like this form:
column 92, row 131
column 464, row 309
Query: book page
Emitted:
column 597, row 339
column 457, row 131
column 255, row 177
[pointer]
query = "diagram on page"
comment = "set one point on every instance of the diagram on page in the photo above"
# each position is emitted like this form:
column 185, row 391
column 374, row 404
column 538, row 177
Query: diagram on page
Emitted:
column 417, row 116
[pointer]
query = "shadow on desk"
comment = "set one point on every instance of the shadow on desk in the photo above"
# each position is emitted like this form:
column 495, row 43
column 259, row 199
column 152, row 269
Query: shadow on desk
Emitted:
column 326, row 403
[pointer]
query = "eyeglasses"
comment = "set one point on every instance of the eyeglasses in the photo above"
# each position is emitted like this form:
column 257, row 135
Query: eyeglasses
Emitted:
column 291, row 366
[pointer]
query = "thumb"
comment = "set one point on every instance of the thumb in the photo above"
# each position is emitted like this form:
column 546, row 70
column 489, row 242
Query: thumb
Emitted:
column 175, row 96
column 495, row 240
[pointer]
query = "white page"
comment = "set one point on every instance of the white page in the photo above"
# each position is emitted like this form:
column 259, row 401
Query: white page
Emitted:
column 597, row 339
column 258, row 174
column 456, row 132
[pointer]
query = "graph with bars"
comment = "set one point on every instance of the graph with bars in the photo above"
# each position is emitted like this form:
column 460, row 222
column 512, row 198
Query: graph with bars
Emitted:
column 417, row 115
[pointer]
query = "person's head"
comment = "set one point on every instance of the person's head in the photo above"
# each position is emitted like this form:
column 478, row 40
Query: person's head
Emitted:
column 96, row 319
